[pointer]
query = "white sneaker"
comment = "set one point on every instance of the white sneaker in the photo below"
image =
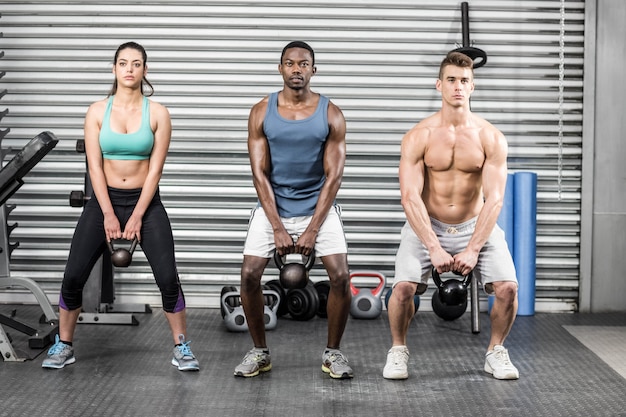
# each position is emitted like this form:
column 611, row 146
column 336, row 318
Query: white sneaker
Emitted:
column 498, row 364
column 397, row 361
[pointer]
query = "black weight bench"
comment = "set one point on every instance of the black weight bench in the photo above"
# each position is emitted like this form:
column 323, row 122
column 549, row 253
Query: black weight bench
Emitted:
column 11, row 179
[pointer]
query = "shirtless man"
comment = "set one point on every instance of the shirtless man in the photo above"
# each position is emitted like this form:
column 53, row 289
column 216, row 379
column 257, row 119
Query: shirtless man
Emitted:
column 453, row 171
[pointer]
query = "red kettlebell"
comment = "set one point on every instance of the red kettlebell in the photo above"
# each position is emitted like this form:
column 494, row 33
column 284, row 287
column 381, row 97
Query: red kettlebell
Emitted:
column 366, row 303
column 122, row 257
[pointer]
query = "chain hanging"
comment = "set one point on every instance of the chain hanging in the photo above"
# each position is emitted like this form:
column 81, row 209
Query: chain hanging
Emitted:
column 561, row 77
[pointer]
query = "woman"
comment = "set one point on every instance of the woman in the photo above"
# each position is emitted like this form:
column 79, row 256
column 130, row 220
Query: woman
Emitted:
column 127, row 138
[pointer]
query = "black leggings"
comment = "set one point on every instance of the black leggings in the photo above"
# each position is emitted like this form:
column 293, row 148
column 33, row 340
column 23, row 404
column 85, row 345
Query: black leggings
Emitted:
column 89, row 242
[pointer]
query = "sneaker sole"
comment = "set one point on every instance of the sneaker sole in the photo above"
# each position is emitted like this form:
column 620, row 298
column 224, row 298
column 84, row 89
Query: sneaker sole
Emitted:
column 396, row 377
column 184, row 368
column 336, row 376
column 508, row 376
column 266, row 368
column 60, row 366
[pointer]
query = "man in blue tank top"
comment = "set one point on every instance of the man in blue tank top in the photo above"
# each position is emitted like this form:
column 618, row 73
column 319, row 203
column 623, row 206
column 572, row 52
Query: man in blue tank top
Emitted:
column 297, row 148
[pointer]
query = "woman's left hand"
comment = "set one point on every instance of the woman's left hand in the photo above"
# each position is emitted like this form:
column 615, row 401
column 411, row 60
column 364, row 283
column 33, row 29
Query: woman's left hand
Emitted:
column 132, row 229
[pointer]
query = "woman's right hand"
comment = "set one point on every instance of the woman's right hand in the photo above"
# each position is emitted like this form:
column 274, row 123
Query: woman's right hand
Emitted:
column 112, row 227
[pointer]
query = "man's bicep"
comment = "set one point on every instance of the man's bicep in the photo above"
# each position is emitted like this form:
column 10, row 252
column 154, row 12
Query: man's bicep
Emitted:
column 495, row 168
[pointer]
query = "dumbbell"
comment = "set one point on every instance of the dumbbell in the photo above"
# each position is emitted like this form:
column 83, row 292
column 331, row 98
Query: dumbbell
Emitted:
column 366, row 302
column 78, row 198
column 303, row 303
column 322, row 288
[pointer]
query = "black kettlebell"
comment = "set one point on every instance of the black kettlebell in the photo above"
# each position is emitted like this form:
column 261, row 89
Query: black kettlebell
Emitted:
column 446, row 312
column 122, row 257
column 294, row 275
column 452, row 292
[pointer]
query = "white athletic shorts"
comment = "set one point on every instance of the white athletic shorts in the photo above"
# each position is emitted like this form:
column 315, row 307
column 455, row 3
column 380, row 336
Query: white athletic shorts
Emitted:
column 495, row 262
column 331, row 239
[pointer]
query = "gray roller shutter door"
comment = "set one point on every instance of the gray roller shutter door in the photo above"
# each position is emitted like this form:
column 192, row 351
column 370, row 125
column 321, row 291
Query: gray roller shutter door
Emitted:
column 211, row 61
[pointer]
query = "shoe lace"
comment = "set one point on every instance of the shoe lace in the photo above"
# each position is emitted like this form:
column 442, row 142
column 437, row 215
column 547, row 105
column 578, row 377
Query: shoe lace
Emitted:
column 338, row 358
column 503, row 357
column 398, row 356
column 253, row 357
column 56, row 349
column 185, row 349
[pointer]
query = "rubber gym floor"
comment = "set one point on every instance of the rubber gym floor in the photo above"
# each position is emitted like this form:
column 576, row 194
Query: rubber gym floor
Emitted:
column 570, row 365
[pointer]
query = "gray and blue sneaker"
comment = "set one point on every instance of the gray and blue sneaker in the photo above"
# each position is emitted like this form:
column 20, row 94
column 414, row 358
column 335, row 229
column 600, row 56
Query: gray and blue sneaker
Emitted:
column 256, row 360
column 335, row 364
column 184, row 358
column 59, row 355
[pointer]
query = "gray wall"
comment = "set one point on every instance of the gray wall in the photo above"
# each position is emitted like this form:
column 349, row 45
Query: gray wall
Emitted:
column 210, row 62
column 603, row 285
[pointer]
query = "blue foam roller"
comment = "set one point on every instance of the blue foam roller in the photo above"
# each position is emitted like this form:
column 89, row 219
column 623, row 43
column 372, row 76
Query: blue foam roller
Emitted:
column 505, row 219
column 525, row 239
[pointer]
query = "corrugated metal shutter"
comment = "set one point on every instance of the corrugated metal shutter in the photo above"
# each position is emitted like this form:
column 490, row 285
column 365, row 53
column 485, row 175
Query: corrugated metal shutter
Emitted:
column 210, row 61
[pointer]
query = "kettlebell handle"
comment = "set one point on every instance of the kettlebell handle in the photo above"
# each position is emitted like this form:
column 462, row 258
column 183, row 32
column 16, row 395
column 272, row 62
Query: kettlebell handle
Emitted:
column 437, row 278
column 122, row 257
column 308, row 264
column 376, row 291
column 133, row 245
column 468, row 278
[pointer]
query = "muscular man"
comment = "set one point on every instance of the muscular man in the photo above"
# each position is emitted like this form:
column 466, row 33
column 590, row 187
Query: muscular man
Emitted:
column 296, row 142
column 453, row 173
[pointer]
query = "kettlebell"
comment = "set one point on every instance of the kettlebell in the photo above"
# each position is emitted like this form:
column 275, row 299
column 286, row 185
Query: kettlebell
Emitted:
column 451, row 292
column 447, row 312
column 294, row 275
column 122, row 257
column 366, row 303
column 275, row 285
column 231, row 301
column 234, row 316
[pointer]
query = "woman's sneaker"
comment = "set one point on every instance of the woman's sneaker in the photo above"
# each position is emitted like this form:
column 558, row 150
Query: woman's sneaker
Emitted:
column 397, row 363
column 335, row 364
column 59, row 355
column 256, row 361
column 498, row 364
column 184, row 358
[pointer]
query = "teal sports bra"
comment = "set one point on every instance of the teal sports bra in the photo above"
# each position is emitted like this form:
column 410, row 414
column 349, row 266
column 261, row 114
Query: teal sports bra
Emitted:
column 130, row 146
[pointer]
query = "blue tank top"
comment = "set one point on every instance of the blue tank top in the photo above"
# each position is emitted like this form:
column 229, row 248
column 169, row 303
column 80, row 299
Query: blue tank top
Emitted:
column 135, row 146
column 297, row 157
